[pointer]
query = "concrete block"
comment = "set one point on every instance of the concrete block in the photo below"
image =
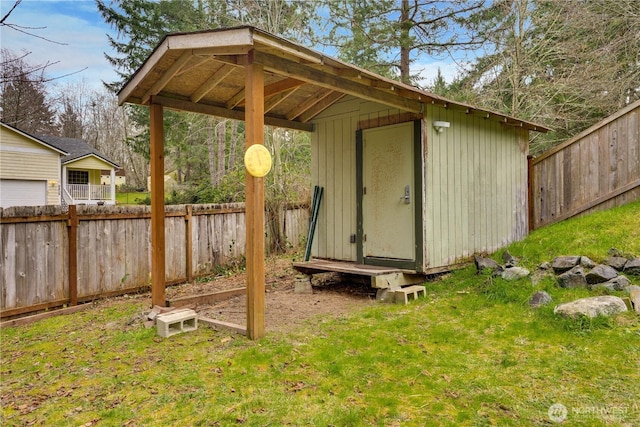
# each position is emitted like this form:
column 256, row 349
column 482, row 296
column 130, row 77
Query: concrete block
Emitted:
column 409, row 293
column 175, row 322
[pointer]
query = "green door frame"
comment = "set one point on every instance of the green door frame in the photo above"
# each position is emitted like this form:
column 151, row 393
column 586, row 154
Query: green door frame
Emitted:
column 414, row 265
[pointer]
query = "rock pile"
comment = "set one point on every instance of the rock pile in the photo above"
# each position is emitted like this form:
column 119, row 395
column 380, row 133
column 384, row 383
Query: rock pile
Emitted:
column 578, row 272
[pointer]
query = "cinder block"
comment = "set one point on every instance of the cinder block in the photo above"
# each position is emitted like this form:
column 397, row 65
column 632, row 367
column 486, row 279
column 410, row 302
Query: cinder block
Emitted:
column 409, row 293
column 175, row 322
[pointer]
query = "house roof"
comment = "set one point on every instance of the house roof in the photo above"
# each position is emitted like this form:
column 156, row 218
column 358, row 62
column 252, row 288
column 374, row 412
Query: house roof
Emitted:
column 34, row 139
column 75, row 149
column 204, row 72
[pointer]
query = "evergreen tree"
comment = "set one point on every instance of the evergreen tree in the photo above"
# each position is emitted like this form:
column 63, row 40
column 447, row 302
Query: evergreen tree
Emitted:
column 23, row 96
column 385, row 36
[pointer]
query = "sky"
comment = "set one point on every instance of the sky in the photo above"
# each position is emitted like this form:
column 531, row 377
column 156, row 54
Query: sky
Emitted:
column 81, row 40
column 78, row 30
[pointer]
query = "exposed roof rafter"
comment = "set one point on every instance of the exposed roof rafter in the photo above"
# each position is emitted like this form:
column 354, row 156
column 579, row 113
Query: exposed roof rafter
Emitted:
column 299, row 82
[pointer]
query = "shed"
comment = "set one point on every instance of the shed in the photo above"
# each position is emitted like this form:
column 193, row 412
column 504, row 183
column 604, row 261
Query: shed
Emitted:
column 413, row 182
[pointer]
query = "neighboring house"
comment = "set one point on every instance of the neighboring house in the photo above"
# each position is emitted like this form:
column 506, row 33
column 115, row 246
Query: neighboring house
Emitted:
column 81, row 173
column 30, row 169
column 105, row 177
column 43, row 170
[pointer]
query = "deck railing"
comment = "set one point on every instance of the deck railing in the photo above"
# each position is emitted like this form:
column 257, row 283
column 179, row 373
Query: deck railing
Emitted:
column 89, row 191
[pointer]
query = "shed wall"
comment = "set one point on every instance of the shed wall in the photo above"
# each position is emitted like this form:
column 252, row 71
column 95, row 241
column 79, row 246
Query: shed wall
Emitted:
column 333, row 166
column 476, row 186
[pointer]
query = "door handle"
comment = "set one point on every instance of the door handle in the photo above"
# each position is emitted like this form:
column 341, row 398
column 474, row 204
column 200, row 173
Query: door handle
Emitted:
column 407, row 195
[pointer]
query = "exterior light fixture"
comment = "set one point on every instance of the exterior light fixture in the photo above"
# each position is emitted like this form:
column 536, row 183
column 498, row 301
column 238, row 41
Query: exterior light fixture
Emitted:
column 439, row 126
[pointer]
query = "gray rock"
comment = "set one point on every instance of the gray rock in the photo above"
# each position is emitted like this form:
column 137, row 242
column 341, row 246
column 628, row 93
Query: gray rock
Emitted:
column 605, row 305
column 513, row 273
column 564, row 263
column 573, row 278
column 634, row 297
column 540, row 298
column 617, row 284
column 616, row 262
column 486, row 263
column 600, row 274
column 633, row 267
column 586, row 262
column 545, row 266
column 509, row 260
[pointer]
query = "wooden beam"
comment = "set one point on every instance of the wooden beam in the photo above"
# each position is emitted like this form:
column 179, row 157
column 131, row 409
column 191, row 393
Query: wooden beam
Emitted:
column 157, row 205
column 254, row 134
column 320, row 106
column 167, row 76
column 184, row 105
column 274, row 101
column 208, row 298
column 212, row 82
column 284, row 88
column 309, row 103
column 30, row 319
column 219, row 324
column 236, row 99
column 331, row 81
column 281, row 87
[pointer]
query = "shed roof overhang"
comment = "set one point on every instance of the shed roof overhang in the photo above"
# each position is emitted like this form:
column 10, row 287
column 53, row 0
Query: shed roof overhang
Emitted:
column 203, row 72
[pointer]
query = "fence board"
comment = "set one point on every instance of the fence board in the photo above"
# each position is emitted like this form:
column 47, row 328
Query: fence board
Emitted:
column 113, row 249
column 596, row 170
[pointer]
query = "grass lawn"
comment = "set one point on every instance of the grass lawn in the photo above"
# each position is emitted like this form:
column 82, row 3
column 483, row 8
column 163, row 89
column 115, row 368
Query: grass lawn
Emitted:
column 131, row 198
column 471, row 353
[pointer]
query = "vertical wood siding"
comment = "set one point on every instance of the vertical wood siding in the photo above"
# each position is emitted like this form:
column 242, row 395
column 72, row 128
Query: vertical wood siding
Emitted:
column 333, row 166
column 597, row 170
column 476, row 187
column 114, row 253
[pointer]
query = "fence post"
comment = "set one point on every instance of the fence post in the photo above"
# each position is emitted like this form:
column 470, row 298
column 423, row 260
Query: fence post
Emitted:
column 189, row 241
column 72, row 228
column 530, row 192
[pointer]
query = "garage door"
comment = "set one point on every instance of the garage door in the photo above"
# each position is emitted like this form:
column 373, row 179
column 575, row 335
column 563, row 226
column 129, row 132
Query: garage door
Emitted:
column 15, row 192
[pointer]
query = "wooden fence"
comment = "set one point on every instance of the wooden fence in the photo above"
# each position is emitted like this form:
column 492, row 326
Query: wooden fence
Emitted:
column 50, row 257
column 596, row 170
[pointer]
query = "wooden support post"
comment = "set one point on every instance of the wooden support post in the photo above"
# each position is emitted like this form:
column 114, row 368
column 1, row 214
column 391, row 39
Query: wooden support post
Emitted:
column 254, row 133
column 157, row 206
column 72, row 226
column 189, row 238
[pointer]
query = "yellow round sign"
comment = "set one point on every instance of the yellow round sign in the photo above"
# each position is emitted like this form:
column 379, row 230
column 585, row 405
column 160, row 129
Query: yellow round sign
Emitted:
column 257, row 160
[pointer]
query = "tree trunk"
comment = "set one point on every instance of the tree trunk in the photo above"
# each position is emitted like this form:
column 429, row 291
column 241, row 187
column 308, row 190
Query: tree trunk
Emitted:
column 211, row 151
column 221, row 133
column 405, row 25
column 233, row 143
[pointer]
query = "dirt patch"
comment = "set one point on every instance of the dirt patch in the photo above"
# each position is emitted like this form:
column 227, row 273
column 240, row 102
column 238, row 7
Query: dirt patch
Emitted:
column 284, row 308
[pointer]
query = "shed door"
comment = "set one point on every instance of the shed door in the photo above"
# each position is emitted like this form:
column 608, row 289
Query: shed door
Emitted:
column 388, row 200
column 15, row 192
